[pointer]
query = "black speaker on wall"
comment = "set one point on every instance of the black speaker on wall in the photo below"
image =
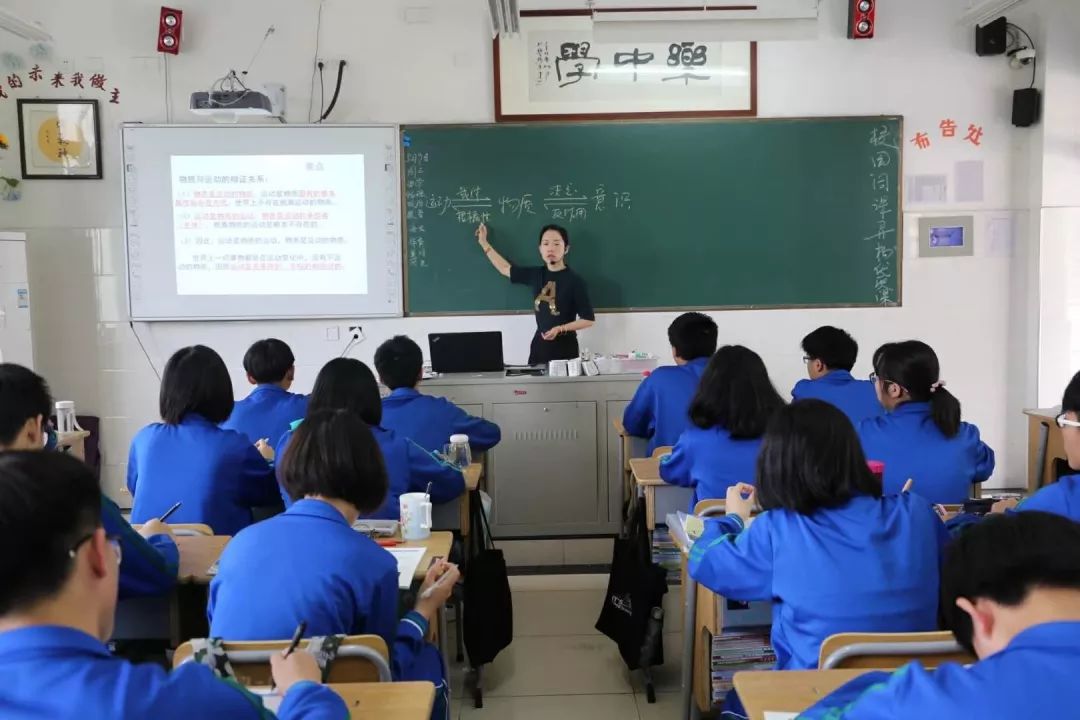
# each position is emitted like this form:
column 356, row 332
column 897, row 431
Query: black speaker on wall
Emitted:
column 992, row 38
column 1026, row 105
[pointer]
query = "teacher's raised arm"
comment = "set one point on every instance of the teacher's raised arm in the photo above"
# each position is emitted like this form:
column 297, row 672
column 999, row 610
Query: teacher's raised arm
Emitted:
column 561, row 303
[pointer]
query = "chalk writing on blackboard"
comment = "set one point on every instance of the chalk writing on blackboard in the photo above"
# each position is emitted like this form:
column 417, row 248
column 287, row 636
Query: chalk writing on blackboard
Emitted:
column 884, row 152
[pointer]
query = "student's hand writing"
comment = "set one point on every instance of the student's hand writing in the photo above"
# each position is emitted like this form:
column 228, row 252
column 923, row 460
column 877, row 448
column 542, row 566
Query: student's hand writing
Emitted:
column 155, row 527
column 1002, row 505
column 299, row 666
column 440, row 579
column 481, row 236
column 553, row 333
column 739, row 505
column 263, row 446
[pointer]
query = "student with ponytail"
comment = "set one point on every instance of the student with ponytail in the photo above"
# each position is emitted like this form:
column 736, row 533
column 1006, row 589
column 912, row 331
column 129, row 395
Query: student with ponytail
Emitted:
column 922, row 437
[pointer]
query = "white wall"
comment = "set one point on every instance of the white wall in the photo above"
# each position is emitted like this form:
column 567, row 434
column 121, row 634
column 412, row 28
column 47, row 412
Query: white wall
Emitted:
column 974, row 311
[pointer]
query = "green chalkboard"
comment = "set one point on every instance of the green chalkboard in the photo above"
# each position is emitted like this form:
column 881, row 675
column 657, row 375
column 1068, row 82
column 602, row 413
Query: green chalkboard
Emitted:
column 695, row 214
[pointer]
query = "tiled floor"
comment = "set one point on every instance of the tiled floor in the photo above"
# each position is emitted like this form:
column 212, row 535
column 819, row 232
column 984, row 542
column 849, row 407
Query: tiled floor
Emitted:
column 559, row 667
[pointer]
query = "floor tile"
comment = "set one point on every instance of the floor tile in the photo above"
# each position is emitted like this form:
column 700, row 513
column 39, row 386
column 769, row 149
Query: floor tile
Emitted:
column 557, row 612
column 560, row 707
column 564, row 665
column 668, row 706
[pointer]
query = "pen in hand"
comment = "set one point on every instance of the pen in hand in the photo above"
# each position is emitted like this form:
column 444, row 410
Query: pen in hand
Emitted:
column 292, row 644
column 170, row 511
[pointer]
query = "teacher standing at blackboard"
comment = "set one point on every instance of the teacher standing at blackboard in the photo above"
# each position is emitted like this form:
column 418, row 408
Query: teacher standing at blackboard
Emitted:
column 562, row 301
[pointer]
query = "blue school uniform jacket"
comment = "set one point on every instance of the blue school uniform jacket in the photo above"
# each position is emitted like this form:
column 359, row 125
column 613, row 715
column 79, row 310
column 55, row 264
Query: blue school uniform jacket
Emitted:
column 1034, row 677
column 266, row 413
column 661, row 404
column 1060, row 498
column 217, row 474
column 911, row 446
column 61, row 673
column 868, row 566
column 308, row 564
column 710, row 461
column 409, row 468
column 430, row 421
column 150, row 564
column 856, row 398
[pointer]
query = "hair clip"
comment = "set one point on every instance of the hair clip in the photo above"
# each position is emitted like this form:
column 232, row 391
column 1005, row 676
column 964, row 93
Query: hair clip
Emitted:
column 937, row 386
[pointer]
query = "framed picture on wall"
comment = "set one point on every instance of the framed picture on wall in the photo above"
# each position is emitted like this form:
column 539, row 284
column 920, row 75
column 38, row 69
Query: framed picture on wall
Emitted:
column 562, row 66
column 60, row 139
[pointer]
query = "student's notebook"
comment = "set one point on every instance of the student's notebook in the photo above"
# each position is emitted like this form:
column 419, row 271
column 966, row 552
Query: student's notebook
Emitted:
column 685, row 529
column 408, row 559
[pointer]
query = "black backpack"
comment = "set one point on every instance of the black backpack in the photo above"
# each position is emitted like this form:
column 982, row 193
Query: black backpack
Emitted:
column 488, row 624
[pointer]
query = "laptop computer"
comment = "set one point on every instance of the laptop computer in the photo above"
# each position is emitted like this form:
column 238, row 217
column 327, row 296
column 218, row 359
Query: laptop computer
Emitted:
column 466, row 352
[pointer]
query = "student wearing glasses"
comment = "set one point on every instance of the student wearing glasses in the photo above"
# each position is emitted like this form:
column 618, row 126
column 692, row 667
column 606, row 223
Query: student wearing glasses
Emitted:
column 922, row 437
column 830, row 354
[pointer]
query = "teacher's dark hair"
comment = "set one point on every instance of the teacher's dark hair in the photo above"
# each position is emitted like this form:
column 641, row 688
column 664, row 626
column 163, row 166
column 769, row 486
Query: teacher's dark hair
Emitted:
column 334, row 455
column 557, row 228
column 735, row 394
column 913, row 365
column 346, row 384
column 810, row 459
column 195, row 381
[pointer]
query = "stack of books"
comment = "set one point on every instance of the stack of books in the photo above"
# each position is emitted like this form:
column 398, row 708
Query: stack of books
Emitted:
column 666, row 554
column 736, row 651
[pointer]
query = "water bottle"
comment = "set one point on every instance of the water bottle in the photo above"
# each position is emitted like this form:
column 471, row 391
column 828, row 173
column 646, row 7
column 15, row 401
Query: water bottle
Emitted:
column 458, row 453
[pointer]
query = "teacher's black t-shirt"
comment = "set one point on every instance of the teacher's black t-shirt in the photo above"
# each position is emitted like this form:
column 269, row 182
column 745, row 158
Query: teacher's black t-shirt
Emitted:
column 560, row 297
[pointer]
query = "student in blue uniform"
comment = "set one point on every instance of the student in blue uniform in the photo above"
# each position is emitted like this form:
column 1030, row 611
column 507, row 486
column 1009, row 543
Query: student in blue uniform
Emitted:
column 728, row 416
column 266, row 412
column 217, row 474
column 1010, row 593
column 922, row 438
column 348, row 384
column 308, row 564
column 57, row 604
column 660, row 410
column 424, row 419
column 831, row 553
column 830, row 354
column 153, row 558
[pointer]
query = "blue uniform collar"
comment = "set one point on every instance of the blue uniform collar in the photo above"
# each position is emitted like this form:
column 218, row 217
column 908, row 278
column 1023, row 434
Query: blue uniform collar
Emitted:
column 912, row 408
column 269, row 389
column 1064, row 633
column 836, row 377
column 316, row 508
column 404, row 392
column 196, row 419
column 16, row 643
column 698, row 363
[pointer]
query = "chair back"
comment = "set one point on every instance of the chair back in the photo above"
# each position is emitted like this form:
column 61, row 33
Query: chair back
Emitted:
column 888, row 651
column 662, row 451
column 360, row 658
column 710, row 508
column 187, row 529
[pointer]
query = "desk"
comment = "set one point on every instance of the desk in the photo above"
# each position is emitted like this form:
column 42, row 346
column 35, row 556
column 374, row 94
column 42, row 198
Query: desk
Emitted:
column 438, row 545
column 197, row 554
column 378, row 701
column 660, row 498
column 1045, row 446
column 788, row 691
column 74, row 443
column 454, row 515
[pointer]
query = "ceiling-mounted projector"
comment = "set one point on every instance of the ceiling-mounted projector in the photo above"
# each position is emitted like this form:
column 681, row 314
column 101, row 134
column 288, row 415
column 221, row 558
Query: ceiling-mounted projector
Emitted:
column 231, row 102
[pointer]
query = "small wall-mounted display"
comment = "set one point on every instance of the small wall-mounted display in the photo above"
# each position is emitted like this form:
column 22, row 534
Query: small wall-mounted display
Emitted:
column 946, row 236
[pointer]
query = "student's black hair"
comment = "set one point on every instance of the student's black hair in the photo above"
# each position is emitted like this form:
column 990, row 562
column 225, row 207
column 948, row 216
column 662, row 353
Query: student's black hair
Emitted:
column 735, row 393
column 23, row 395
column 810, row 459
column 347, row 384
column 834, row 347
column 268, row 361
column 1070, row 400
column 49, row 503
column 557, row 228
column 195, row 381
column 693, row 335
column 333, row 454
column 1003, row 558
column 914, row 366
column 399, row 361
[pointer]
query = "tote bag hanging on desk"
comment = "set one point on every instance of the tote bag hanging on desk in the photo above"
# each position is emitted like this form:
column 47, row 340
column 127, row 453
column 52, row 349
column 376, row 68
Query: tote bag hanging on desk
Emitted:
column 635, row 587
column 488, row 624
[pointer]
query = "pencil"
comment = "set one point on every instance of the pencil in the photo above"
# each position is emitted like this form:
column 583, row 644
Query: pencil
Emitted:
column 292, row 644
column 170, row 511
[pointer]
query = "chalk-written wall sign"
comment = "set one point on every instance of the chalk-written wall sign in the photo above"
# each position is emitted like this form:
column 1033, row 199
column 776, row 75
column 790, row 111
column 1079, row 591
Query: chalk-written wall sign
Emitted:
column 557, row 67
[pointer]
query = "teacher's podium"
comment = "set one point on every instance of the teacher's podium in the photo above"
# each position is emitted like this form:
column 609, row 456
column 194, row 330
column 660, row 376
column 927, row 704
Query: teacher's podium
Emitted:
column 556, row 471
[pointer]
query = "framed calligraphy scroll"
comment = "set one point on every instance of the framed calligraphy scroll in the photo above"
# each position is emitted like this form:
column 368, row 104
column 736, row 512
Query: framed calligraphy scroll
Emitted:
column 556, row 69
column 59, row 139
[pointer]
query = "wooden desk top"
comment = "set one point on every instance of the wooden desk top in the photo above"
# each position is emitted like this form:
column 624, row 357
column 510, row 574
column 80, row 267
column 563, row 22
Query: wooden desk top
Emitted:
column 398, row 700
column 197, row 554
column 788, row 691
column 473, row 473
column 646, row 471
column 1048, row 413
column 438, row 545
